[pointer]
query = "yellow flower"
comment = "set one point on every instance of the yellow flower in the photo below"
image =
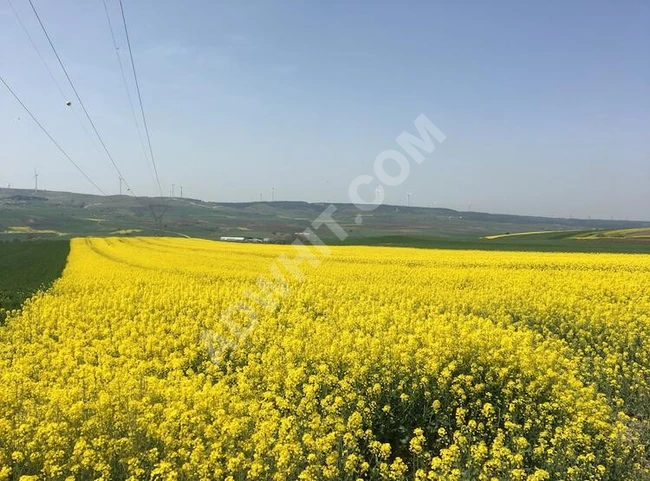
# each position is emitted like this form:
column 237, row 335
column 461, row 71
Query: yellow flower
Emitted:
column 161, row 358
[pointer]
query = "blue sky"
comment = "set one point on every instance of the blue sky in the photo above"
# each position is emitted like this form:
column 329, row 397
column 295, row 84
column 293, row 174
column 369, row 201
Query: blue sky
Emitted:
column 546, row 105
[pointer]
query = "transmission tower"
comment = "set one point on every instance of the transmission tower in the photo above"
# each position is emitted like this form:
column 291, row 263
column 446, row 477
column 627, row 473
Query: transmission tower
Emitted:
column 157, row 212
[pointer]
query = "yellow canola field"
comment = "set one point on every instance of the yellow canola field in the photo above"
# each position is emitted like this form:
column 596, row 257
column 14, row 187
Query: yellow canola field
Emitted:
column 381, row 363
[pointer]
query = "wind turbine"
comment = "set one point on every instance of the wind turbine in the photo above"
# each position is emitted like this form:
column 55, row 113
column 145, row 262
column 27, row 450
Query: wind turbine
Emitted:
column 35, row 181
column 378, row 191
column 408, row 198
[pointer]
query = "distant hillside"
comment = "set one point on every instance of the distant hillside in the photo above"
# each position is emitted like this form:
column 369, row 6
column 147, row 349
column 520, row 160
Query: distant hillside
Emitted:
column 25, row 214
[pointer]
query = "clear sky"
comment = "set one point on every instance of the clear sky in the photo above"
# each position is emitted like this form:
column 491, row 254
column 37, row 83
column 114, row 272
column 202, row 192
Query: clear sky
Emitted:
column 546, row 105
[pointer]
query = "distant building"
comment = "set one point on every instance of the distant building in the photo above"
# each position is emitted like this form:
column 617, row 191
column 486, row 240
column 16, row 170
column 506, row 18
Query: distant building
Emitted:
column 243, row 239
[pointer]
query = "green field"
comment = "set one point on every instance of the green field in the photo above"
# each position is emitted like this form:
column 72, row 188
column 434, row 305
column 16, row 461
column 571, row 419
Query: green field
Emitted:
column 26, row 267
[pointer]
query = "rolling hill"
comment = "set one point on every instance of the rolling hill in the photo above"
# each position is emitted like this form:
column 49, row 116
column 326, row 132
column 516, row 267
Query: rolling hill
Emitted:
column 25, row 214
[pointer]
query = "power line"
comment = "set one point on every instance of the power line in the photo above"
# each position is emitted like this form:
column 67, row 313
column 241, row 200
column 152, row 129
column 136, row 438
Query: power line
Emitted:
column 50, row 137
column 52, row 76
column 157, row 210
column 40, row 55
column 90, row 120
column 137, row 86
column 126, row 84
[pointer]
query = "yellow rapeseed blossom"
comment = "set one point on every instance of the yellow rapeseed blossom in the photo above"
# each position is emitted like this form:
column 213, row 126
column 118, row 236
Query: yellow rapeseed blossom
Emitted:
column 155, row 358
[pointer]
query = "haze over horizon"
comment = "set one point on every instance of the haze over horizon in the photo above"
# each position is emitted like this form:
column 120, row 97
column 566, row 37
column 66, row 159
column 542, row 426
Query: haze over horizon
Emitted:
column 546, row 108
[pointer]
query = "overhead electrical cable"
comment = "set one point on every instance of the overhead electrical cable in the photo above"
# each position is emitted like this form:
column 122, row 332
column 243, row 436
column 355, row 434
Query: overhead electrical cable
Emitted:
column 58, row 146
column 38, row 51
column 74, row 89
column 137, row 86
column 52, row 76
column 126, row 85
